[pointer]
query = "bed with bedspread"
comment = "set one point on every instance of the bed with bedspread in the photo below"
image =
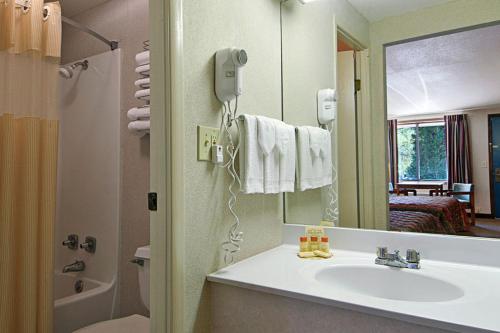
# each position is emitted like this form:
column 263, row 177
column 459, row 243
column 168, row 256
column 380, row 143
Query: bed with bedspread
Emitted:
column 449, row 212
column 410, row 221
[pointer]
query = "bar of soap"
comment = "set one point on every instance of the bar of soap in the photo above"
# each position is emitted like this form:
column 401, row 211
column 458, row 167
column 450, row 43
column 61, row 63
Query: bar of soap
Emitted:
column 306, row 254
column 322, row 254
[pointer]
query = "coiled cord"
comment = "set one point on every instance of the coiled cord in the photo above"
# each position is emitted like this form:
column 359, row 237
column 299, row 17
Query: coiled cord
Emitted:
column 232, row 245
column 332, row 211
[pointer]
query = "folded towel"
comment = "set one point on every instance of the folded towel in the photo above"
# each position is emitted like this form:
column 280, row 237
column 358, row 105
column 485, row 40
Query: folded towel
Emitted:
column 315, row 140
column 139, row 125
column 143, row 70
column 142, row 83
column 314, row 167
column 285, row 145
column 266, row 134
column 143, row 94
column 251, row 157
column 142, row 58
column 138, row 113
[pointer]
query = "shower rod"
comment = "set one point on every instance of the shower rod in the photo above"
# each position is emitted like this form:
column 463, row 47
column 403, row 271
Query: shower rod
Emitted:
column 113, row 44
column 26, row 5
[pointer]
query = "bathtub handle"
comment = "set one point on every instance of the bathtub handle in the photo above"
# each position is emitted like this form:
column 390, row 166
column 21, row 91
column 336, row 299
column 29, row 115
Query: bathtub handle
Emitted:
column 71, row 242
column 137, row 261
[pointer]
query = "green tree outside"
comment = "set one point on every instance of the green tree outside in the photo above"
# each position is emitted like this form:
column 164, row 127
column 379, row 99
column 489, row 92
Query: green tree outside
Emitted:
column 432, row 153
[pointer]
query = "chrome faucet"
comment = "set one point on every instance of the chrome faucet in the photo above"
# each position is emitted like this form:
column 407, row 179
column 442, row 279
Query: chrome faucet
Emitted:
column 77, row 266
column 395, row 260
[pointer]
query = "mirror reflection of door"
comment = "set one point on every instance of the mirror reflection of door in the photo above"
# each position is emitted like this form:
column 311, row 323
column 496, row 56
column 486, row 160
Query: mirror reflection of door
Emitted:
column 495, row 163
column 347, row 150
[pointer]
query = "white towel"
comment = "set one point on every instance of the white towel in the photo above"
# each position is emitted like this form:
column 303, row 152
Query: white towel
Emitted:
column 142, row 58
column 143, row 70
column 142, row 83
column 139, row 125
column 251, row 157
column 321, row 154
column 138, row 113
column 143, row 94
column 314, row 166
column 266, row 134
column 315, row 141
column 285, row 145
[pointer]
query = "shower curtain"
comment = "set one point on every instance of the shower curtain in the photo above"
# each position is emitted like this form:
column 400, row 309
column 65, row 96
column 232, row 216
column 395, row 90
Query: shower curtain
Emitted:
column 30, row 43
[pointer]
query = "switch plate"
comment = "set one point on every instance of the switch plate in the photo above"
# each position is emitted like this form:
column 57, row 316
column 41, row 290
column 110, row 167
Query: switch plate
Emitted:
column 207, row 136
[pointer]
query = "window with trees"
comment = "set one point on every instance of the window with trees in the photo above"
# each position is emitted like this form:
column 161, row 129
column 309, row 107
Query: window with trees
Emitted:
column 422, row 151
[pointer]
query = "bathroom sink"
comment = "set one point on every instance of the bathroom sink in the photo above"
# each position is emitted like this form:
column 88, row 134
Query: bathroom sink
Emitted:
column 389, row 283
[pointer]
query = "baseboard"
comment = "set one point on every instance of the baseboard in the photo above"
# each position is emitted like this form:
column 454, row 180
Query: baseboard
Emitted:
column 483, row 216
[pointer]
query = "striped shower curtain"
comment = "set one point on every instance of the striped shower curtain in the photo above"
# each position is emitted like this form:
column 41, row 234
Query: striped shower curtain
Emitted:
column 30, row 43
column 458, row 150
column 392, row 126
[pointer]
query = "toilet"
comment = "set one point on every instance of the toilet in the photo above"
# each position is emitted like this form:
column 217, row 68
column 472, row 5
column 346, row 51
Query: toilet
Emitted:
column 135, row 323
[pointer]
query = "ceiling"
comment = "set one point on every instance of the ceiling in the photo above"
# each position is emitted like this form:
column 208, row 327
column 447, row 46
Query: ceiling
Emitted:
column 447, row 73
column 376, row 10
column 74, row 7
column 373, row 10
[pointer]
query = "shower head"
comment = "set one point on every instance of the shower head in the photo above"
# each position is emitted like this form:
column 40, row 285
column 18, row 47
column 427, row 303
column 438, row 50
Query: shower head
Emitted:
column 66, row 72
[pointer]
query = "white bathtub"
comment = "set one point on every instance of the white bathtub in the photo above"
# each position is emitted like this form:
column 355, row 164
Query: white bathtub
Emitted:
column 76, row 310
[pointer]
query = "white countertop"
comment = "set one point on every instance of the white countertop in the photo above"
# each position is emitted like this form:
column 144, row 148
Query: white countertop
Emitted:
column 279, row 271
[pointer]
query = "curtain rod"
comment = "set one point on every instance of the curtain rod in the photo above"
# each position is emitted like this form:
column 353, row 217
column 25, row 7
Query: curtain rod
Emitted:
column 421, row 121
column 26, row 5
column 111, row 43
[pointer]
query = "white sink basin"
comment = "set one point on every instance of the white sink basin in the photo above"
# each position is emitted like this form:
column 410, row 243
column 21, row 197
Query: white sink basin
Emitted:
column 389, row 283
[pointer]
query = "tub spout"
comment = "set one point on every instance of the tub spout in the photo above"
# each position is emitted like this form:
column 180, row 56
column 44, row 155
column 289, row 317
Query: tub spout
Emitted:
column 77, row 266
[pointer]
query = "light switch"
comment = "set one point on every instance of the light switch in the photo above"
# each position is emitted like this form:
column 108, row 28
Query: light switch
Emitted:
column 484, row 164
column 207, row 136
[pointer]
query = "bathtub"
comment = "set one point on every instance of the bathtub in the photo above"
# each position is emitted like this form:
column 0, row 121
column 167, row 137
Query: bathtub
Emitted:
column 74, row 310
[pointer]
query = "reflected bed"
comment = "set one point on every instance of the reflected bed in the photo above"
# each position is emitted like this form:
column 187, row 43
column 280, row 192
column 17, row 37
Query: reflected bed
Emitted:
column 447, row 210
column 410, row 221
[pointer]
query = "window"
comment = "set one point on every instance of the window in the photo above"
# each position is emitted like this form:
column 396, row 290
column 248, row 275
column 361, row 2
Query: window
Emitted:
column 422, row 152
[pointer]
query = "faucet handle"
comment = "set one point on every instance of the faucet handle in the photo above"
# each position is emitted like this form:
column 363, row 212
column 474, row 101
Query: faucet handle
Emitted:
column 382, row 252
column 412, row 256
column 89, row 245
column 71, row 242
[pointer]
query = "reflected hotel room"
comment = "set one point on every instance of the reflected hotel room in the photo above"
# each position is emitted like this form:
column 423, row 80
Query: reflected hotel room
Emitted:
column 249, row 166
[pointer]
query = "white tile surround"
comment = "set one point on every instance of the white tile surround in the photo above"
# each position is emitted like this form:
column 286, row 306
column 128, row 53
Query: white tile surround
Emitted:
column 245, row 292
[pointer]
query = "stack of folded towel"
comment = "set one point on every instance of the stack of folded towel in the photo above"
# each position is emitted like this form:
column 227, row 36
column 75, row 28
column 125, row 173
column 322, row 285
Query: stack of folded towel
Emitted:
column 140, row 116
column 267, row 155
column 275, row 156
column 314, row 158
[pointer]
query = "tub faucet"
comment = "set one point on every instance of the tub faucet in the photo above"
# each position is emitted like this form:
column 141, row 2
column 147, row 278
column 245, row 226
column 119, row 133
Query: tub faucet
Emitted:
column 77, row 266
column 395, row 260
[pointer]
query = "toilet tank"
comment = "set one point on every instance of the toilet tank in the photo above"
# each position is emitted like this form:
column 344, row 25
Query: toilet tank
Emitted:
column 143, row 254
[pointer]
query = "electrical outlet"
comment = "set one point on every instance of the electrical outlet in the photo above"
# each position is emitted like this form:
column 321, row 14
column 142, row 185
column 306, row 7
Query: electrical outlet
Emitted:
column 207, row 136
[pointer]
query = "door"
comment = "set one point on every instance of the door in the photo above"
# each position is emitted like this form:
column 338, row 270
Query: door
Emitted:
column 347, row 148
column 495, row 163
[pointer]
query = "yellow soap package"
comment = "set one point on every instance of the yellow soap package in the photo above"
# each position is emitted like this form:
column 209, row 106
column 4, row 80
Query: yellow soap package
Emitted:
column 325, row 223
column 317, row 244
column 314, row 231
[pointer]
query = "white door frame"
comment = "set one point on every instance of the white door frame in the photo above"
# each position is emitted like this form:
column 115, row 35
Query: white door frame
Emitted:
column 166, row 167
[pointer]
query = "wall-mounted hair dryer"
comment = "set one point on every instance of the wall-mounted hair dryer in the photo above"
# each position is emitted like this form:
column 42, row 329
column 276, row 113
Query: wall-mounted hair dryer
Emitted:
column 228, row 73
column 327, row 105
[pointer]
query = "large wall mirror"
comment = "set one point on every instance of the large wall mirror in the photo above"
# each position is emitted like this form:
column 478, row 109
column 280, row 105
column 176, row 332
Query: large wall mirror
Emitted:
column 415, row 142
